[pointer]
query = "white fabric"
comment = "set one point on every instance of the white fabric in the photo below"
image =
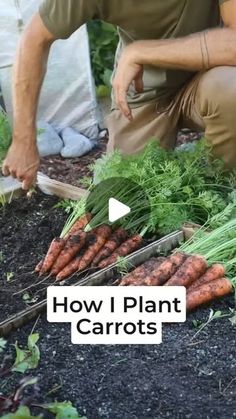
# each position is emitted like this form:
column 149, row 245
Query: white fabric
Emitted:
column 68, row 95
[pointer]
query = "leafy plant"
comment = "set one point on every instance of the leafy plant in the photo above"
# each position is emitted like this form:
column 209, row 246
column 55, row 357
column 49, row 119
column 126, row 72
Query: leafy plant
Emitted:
column 29, row 299
column 123, row 266
column 10, row 276
column 16, row 402
column 181, row 186
column 214, row 316
column 27, row 359
column 5, row 135
column 103, row 42
column 22, row 413
column 201, row 326
column 63, row 410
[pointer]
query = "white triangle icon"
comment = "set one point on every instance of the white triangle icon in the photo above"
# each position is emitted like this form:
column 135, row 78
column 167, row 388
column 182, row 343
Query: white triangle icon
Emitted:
column 117, row 210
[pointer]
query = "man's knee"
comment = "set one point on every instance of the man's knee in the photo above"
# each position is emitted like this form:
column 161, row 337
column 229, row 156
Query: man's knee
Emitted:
column 216, row 103
column 217, row 91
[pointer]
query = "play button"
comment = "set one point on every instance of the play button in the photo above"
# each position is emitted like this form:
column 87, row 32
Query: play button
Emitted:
column 117, row 210
column 118, row 201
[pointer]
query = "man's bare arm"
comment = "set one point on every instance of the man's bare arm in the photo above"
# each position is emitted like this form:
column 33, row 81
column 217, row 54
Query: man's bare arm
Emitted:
column 200, row 51
column 22, row 160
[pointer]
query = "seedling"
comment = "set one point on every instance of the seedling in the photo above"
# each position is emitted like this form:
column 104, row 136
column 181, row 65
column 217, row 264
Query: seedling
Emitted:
column 28, row 358
column 13, row 402
column 123, row 266
column 214, row 316
column 86, row 181
column 28, row 299
column 10, row 276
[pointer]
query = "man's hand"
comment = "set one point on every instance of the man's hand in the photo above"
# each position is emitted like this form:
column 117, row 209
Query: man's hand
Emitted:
column 128, row 71
column 22, row 160
column 22, row 163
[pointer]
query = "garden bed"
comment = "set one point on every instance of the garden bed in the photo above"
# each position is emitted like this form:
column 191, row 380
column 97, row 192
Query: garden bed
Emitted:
column 185, row 377
column 113, row 381
column 27, row 226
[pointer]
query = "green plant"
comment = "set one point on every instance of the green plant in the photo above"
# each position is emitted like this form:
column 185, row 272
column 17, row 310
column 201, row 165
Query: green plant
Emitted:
column 217, row 246
column 5, row 135
column 22, row 413
column 29, row 299
column 180, row 185
column 103, row 42
column 201, row 326
column 123, row 266
column 28, row 358
column 10, row 276
column 214, row 316
column 63, row 410
column 60, row 410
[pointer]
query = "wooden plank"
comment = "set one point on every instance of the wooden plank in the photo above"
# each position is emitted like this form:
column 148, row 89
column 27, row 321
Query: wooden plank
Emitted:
column 62, row 190
column 11, row 188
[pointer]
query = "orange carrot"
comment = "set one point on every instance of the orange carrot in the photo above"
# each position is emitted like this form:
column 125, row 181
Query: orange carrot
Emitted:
column 101, row 234
column 193, row 267
column 54, row 250
column 165, row 270
column 129, row 246
column 80, row 224
column 216, row 271
column 39, row 266
column 118, row 237
column 69, row 269
column 140, row 275
column 209, row 292
column 73, row 245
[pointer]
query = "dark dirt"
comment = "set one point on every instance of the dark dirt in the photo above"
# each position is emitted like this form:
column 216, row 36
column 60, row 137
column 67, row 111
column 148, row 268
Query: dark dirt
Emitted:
column 26, row 229
column 72, row 170
column 182, row 378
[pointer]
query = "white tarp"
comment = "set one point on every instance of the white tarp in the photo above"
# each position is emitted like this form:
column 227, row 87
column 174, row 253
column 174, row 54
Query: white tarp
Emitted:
column 68, row 96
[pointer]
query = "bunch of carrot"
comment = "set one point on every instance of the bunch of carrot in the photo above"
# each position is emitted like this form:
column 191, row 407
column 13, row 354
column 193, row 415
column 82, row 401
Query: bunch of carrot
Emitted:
column 204, row 284
column 203, row 265
column 83, row 246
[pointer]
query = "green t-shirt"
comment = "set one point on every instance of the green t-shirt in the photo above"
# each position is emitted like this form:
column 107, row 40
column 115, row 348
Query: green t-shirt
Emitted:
column 137, row 20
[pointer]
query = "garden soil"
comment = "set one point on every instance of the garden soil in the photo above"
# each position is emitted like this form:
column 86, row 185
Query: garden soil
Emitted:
column 185, row 377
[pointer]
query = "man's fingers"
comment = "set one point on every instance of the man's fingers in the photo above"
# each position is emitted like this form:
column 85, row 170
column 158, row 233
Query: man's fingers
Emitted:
column 13, row 174
column 29, row 180
column 139, row 84
column 123, row 105
column 26, row 184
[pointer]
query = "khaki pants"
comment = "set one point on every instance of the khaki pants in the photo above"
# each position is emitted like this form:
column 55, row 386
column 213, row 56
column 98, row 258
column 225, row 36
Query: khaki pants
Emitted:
column 207, row 103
